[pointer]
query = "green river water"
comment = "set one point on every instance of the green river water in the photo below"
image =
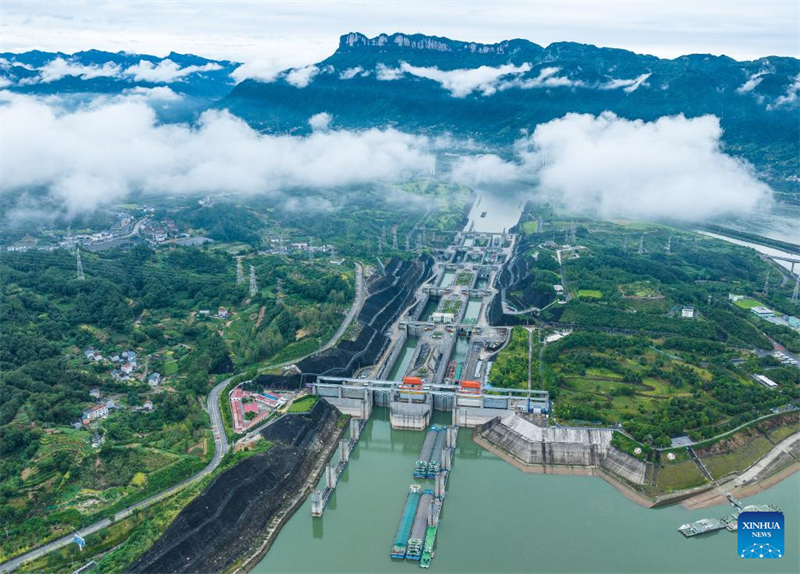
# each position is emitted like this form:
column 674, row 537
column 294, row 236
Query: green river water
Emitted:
column 499, row 519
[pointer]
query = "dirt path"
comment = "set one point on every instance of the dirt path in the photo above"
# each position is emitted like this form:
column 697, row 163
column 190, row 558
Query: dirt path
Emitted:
column 260, row 315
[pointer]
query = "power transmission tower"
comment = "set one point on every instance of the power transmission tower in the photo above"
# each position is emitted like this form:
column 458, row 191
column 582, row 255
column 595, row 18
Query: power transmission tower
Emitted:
column 408, row 243
column 641, row 245
column 394, row 237
column 81, row 276
column 766, row 282
column 625, row 244
column 70, row 241
column 310, row 250
column 380, row 245
column 239, row 271
column 572, row 231
column 708, row 306
column 668, row 247
column 253, row 285
column 796, row 290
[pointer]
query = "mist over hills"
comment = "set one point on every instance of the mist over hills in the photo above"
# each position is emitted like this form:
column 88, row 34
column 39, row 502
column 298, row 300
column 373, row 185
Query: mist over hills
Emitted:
column 490, row 96
column 492, row 93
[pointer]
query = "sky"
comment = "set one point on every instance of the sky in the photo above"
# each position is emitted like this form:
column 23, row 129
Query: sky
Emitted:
column 290, row 34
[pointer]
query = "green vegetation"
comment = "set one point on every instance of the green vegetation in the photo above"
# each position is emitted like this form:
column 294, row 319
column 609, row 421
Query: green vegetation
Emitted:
column 303, row 405
column 590, row 293
column 642, row 364
column 510, row 369
column 679, row 476
column 747, row 303
column 464, row 278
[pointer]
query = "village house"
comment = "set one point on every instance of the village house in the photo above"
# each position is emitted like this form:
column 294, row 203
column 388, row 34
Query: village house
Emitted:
column 96, row 412
column 154, row 379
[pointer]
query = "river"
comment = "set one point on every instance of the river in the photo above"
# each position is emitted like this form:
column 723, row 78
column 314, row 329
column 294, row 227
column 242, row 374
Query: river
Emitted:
column 760, row 248
column 499, row 519
column 502, row 212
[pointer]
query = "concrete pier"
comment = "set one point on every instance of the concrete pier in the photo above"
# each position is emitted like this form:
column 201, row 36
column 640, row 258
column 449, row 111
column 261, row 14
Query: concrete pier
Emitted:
column 319, row 499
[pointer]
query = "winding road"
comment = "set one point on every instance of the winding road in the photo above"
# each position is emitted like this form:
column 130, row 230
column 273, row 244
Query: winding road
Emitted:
column 220, row 448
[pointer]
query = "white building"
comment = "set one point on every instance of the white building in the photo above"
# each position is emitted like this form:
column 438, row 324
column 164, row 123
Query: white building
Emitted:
column 687, row 313
column 96, row 412
column 767, row 382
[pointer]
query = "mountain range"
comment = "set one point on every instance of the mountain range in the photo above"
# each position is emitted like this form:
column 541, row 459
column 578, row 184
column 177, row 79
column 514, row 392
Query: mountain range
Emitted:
column 488, row 94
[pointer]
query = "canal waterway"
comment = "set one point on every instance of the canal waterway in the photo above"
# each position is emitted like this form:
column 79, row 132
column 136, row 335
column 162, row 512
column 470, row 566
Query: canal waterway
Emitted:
column 473, row 311
column 447, row 279
column 430, row 308
column 404, row 360
column 499, row 519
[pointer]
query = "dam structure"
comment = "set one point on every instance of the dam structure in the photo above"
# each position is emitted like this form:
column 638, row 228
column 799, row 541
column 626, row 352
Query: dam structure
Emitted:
column 411, row 401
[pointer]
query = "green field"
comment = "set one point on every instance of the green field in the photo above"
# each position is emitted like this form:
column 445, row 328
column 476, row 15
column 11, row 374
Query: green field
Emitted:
column 679, row 476
column 747, row 303
column 170, row 367
column 590, row 293
column 738, row 459
column 303, row 405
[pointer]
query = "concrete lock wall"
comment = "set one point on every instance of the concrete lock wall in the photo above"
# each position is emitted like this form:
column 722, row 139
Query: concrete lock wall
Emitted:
column 474, row 416
column 444, row 402
column 353, row 407
column 536, row 445
column 409, row 416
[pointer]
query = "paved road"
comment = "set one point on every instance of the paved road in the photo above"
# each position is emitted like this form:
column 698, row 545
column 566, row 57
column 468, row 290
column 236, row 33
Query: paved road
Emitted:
column 220, row 448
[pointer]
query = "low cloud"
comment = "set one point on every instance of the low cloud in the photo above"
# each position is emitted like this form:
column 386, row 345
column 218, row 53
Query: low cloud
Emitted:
column 302, row 77
column 98, row 155
column 351, row 73
column 604, row 165
column 791, row 96
column 462, row 82
column 320, row 122
column 387, row 74
column 59, row 68
column 751, row 83
column 627, row 86
column 547, row 78
column 258, row 70
column 166, row 71
column 158, row 94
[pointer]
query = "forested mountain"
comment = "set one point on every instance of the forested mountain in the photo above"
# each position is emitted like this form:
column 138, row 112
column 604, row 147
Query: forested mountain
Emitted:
column 492, row 92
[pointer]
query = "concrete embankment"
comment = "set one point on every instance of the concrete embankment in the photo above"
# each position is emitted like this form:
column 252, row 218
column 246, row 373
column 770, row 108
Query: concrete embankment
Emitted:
column 560, row 450
column 234, row 520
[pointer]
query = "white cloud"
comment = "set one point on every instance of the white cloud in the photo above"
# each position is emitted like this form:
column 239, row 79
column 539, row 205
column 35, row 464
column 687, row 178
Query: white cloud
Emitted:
column 387, row 74
column 351, row 73
column 302, row 77
column 751, row 82
column 486, row 169
column 5, row 82
column 166, row 71
column 609, row 166
column 158, row 93
column 59, row 68
column 462, row 82
column 627, row 86
column 790, row 97
column 98, row 155
column 259, row 70
column 320, row 122
column 547, row 78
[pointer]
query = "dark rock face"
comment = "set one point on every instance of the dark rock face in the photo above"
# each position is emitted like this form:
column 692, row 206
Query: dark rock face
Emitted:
column 228, row 520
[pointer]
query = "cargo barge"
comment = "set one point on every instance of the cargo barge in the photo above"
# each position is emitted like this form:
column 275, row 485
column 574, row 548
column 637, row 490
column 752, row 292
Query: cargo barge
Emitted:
column 427, row 549
column 421, row 466
column 416, row 539
column 435, row 462
column 406, row 521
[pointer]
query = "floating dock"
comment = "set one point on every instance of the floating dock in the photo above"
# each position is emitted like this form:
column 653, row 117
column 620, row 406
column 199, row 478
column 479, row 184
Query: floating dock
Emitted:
column 729, row 522
column 421, row 466
column 406, row 522
column 320, row 498
column 416, row 539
